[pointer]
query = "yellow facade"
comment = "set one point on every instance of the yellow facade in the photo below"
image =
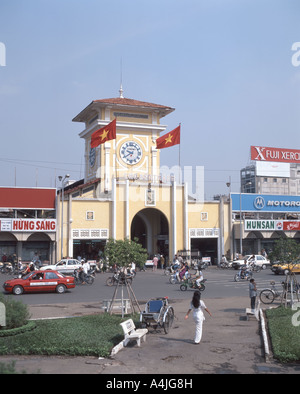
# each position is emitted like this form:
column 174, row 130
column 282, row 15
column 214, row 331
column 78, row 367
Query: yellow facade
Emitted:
column 123, row 196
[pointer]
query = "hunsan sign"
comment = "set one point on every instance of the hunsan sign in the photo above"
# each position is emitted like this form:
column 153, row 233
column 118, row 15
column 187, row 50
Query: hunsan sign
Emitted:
column 272, row 225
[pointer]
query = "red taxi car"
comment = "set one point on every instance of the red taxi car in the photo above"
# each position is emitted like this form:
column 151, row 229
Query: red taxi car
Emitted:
column 40, row 281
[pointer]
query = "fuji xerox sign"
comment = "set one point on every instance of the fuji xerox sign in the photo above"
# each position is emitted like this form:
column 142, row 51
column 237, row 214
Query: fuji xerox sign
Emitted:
column 261, row 153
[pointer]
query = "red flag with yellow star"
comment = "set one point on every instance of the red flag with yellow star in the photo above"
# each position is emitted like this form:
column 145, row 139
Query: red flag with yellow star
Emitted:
column 104, row 134
column 170, row 139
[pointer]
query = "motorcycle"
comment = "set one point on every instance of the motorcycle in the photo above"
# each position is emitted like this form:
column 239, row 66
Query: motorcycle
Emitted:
column 119, row 277
column 6, row 269
column 243, row 273
column 84, row 278
column 189, row 283
column 175, row 278
column 171, row 270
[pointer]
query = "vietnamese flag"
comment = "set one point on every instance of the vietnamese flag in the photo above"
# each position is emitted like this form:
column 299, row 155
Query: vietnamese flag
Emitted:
column 104, row 134
column 170, row 139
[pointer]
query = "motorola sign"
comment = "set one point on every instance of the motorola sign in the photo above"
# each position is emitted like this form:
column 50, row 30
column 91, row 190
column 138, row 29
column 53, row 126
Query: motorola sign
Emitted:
column 264, row 203
column 259, row 203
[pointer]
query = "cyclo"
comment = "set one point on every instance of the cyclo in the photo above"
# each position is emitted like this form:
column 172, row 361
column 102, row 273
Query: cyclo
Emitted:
column 158, row 312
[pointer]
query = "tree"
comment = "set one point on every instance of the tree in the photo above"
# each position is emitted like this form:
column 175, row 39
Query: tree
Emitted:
column 124, row 252
column 286, row 250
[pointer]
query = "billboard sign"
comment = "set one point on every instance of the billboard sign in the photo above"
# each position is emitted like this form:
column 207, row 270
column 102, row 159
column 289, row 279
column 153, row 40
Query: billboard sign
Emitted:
column 262, row 153
column 28, row 225
column 272, row 225
column 248, row 202
column 277, row 170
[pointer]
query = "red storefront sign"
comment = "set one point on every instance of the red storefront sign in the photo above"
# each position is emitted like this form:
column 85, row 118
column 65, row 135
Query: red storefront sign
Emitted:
column 261, row 153
column 27, row 198
column 291, row 226
column 28, row 225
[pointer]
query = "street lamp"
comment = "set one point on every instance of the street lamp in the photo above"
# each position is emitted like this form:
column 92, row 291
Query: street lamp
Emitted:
column 241, row 230
column 62, row 180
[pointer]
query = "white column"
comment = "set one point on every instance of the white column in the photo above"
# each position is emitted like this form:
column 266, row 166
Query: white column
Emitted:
column 114, row 209
column 127, row 227
column 107, row 174
column 174, row 229
column 185, row 218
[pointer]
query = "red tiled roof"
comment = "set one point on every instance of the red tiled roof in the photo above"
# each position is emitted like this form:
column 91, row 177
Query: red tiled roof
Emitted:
column 118, row 101
column 127, row 101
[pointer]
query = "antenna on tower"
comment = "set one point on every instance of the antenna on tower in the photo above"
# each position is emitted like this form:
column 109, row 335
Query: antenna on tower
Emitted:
column 121, row 88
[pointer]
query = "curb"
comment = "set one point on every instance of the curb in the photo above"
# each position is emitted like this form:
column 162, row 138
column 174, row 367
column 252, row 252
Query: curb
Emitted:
column 117, row 348
column 264, row 335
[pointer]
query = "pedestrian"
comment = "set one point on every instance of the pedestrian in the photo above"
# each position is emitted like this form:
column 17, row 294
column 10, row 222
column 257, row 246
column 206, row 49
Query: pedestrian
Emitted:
column 198, row 307
column 252, row 294
column 155, row 262
column 162, row 262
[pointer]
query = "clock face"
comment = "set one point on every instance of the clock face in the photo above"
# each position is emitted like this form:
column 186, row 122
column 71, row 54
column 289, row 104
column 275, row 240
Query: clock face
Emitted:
column 92, row 157
column 131, row 152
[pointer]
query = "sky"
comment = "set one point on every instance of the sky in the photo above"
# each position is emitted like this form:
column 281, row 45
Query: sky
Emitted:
column 224, row 65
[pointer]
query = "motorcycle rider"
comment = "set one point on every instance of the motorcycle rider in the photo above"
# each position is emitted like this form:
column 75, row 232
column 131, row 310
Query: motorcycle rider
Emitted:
column 85, row 267
column 199, row 279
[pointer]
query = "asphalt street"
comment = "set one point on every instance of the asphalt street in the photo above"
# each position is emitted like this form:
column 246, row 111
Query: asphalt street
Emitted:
column 231, row 342
column 147, row 285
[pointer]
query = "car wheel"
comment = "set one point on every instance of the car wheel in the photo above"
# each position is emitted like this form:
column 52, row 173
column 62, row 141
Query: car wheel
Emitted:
column 264, row 266
column 18, row 290
column 60, row 289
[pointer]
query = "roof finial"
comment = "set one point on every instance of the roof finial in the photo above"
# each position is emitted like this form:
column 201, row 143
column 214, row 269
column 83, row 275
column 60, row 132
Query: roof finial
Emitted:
column 121, row 89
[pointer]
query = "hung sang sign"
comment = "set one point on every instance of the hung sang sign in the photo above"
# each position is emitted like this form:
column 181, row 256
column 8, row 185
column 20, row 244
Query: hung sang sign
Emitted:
column 28, row 225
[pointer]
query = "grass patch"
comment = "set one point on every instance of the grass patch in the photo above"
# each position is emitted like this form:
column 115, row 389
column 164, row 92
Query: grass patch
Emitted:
column 94, row 335
column 285, row 337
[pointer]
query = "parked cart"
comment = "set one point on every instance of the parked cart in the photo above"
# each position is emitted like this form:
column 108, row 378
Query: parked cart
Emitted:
column 158, row 313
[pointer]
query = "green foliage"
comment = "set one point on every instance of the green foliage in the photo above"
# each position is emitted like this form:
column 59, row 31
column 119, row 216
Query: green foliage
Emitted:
column 17, row 313
column 285, row 336
column 286, row 250
column 93, row 335
column 124, row 252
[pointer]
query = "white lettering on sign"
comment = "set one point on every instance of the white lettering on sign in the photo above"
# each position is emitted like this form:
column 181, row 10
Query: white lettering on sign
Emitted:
column 259, row 153
column 32, row 225
column 272, row 225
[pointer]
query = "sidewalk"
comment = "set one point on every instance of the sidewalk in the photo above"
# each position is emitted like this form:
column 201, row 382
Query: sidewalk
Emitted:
column 230, row 344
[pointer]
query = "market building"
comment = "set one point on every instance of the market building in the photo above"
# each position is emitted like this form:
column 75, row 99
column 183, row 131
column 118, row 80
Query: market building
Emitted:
column 124, row 195
column 28, row 224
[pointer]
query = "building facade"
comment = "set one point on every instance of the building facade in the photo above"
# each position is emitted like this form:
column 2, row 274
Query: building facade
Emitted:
column 261, row 219
column 28, row 224
column 271, row 178
column 123, row 194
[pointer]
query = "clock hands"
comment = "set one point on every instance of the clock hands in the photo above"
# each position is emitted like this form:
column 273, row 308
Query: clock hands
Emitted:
column 129, row 154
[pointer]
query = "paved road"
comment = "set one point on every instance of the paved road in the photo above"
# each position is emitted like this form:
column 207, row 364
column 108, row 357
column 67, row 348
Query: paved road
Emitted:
column 150, row 284
column 230, row 344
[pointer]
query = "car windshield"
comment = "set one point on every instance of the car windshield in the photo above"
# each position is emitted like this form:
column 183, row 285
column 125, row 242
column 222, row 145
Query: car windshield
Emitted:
column 27, row 276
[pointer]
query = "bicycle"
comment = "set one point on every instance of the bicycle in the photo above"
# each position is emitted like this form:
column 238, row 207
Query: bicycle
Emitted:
column 268, row 296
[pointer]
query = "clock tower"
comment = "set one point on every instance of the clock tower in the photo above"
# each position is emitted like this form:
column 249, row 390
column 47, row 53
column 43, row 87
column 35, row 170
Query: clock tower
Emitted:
column 132, row 155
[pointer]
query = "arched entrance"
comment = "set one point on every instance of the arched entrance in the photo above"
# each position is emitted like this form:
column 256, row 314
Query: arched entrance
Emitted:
column 8, row 244
column 150, row 226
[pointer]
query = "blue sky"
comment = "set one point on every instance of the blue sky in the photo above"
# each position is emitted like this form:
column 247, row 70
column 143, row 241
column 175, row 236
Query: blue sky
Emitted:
column 224, row 65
